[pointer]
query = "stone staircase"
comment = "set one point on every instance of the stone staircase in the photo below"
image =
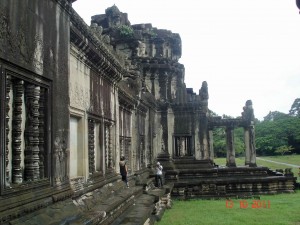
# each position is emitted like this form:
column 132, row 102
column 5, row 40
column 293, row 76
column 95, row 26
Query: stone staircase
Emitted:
column 112, row 203
column 147, row 208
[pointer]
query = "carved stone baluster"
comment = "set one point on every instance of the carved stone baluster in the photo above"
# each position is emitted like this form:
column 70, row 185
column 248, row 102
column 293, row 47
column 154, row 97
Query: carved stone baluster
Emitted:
column 91, row 136
column 110, row 159
column 17, row 132
column 106, row 130
column 7, row 128
column 32, row 159
column 42, row 133
column 142, row 153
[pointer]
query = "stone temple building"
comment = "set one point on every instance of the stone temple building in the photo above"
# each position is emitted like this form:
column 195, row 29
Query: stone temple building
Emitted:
column 77, row 97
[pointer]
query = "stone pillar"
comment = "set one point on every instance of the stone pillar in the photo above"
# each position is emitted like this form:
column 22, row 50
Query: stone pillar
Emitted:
column 165, row 154
column 211, row 145
column 163, row 83
column 247, row 148
column 250, row 158
column 230, row 161
column 203, row 137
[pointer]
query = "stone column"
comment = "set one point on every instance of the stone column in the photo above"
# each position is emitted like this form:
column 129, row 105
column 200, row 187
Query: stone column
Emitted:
column 163, row 83
column 247, row 148
column 211, row 145
column 250, row 158
column 230, row 161
column 203, row 137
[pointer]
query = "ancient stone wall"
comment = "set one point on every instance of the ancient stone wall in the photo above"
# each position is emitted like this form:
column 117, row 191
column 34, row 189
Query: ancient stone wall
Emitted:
column 77, row 97
column 34, row 60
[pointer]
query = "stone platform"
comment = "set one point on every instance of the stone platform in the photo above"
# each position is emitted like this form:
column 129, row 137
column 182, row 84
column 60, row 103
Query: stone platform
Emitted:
column 192, row 180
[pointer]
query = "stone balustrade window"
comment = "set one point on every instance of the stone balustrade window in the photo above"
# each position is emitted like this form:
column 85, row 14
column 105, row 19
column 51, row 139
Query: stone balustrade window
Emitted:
column 125, row 134
column 183, row 146
column 99, row 146
column 26, row 155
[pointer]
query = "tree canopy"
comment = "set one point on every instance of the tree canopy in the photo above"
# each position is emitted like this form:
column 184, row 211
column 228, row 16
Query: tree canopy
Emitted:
column 278, row 133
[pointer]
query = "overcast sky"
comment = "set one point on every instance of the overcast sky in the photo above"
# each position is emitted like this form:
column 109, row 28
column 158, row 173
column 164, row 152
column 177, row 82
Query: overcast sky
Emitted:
column 244, row 49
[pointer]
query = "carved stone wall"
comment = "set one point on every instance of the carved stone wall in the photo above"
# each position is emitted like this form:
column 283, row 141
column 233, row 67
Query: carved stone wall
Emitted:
column 126, row 93
column 34, row 59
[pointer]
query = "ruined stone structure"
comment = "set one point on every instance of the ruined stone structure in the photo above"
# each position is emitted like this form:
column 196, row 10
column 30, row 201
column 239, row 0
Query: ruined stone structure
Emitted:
column 74, row 98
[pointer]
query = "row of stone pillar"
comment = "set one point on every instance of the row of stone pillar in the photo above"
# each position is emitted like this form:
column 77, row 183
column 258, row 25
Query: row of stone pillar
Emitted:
column 250, row 152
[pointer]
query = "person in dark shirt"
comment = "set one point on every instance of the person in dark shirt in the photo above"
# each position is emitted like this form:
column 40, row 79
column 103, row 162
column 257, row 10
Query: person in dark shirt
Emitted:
column 123, row 170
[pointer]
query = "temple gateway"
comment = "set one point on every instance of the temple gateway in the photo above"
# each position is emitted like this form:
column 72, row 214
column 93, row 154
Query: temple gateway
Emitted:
column 77, row 97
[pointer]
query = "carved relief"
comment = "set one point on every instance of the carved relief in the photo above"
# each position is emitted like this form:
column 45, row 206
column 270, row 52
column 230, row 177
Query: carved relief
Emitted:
column 61, row 157
column 79, row 96
column 18, row 45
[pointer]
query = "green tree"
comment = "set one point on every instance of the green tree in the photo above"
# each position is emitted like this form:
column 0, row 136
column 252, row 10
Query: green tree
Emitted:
column 284, row 149
column 219, row 142
column 275, row 116
column 125, row 31
column 295, row 108
column 277, row 131
column 239, row 144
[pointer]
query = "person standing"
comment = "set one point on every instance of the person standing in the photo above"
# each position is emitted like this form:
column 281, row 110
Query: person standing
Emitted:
column 124, row 170
column 159, row 181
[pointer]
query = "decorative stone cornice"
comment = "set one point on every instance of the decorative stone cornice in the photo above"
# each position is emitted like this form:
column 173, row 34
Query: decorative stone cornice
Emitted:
column 101, row 57
column 219, row 122
column 126, row 100
column 158, row 63
column 189, row 106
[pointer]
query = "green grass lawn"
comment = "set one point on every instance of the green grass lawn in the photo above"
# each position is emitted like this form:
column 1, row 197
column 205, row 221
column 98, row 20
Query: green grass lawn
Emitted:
column 281, row 209
column 291, row 159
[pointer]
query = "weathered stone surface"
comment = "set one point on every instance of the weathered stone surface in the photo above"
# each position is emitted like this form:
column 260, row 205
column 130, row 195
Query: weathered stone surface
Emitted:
column 75, row 98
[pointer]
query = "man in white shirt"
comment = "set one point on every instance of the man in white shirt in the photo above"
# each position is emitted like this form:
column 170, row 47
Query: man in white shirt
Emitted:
column 159, row 182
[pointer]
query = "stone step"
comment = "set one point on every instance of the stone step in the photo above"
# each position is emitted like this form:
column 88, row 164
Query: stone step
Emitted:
column 147, row 208
column 89, row 209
